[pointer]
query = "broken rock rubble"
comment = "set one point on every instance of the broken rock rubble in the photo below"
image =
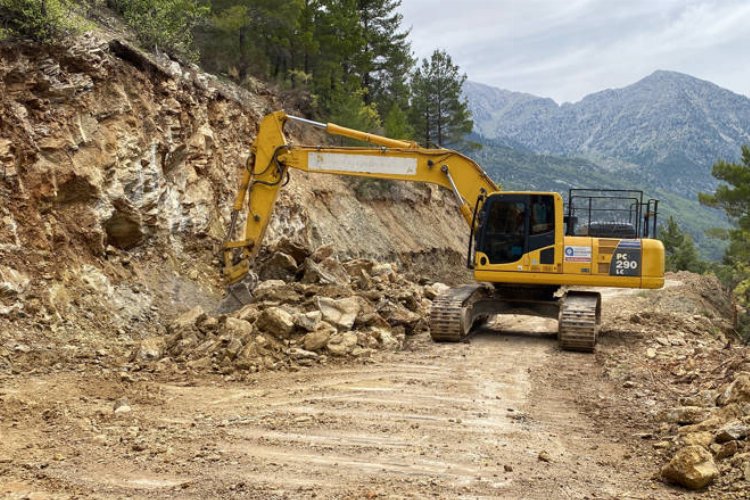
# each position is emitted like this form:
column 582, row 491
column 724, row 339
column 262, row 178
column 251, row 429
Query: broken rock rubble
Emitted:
column 323, row 309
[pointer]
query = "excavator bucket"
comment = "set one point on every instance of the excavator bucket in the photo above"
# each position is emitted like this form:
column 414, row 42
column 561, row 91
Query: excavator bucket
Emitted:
column 238, row 294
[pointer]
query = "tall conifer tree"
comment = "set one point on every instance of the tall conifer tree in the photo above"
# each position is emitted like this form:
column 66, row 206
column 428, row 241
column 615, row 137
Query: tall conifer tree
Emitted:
column 440, row 113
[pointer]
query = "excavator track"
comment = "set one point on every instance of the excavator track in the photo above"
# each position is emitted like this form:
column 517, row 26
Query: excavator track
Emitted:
column 452, row 314
column 580, row 314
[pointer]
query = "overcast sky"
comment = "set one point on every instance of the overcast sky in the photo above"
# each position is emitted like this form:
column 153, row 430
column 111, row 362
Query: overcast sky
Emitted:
column 566, row 49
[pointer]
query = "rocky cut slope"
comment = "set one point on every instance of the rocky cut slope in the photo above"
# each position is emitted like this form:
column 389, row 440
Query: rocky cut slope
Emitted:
column 117, row 171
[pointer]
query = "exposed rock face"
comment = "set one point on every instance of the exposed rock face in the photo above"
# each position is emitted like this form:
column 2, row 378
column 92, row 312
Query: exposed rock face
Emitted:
column 692, row 467
column 117, row 171
column 120, row 155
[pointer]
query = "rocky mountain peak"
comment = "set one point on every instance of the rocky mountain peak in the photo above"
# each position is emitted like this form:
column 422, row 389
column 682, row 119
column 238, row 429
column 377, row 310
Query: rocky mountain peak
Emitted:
column 669, row 125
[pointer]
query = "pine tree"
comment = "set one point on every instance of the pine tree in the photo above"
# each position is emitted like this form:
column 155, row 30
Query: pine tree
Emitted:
column 252, row 37
column 306, row 45
column 348, row 108
column 340, row 39
column 440, row 114
column 733, row 196
column 396, row 123
column 385, row 61
column 679, row 249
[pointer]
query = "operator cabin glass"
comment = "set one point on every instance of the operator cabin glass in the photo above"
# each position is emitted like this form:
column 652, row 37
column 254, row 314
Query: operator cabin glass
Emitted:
column 513, row 225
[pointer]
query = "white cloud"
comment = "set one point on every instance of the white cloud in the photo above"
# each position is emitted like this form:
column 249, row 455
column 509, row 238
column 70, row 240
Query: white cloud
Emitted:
column 567, row 49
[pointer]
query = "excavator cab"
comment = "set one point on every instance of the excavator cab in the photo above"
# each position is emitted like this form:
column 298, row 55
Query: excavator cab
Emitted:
column 602, row 238
column 512, row 225
column 537, row 254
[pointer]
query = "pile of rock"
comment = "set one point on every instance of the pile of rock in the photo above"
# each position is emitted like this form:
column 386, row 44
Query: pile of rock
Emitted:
column 712, row 435
column 300, row 314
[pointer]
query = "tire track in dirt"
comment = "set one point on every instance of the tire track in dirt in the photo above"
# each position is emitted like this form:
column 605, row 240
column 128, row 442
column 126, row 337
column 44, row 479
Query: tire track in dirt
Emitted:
column 442, row 420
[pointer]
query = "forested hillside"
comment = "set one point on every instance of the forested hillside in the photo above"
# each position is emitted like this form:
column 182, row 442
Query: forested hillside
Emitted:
column 346, row 61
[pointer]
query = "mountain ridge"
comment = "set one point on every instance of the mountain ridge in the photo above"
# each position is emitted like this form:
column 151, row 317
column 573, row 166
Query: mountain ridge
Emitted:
column 668, row 124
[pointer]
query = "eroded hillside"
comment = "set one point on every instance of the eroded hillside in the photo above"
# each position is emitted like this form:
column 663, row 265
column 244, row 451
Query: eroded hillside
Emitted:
column 118, row 172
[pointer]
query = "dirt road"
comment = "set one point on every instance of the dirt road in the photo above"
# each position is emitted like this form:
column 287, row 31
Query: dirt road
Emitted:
column 506, row 415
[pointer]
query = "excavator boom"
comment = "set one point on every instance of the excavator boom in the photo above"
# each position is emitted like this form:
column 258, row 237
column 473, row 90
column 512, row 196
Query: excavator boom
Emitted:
column 272, row 157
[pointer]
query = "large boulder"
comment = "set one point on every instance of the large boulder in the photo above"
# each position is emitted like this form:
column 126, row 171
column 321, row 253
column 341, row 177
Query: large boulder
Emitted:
column 386, row 339
column 738, row 391
column 317, row 340
column 692, row 467
column 339, row 312
column 149, row 349
column 341, row 344
column 435, row 289
column 249, row 313
column 684, row 415
column 702, row 438
column 302, row 356
column 327, row 272
column 732, row 431
column 276, row 321
column 396, row 314
column 356, row 267
column 298, row 251
column 308, row 321
column 187, row 320
column 280, row 266
column 276, row 292
column 238, row 328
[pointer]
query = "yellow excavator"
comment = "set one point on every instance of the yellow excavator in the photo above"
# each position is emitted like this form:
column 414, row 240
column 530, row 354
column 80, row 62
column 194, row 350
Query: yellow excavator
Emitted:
column 527, row 252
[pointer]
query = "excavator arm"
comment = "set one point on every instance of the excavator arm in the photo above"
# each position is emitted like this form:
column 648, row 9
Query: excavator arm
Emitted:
column 272, row 157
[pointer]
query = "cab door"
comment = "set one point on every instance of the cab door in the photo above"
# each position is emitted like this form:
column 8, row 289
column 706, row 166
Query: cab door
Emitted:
column 518, row 232
column 503, row 235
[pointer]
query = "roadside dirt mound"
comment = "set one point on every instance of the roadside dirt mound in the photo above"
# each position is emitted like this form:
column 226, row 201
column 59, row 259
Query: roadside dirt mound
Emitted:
column 686, row 376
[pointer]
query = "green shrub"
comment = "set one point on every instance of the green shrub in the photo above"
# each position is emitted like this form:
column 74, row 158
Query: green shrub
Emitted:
column 163, row 24
column 40, row 20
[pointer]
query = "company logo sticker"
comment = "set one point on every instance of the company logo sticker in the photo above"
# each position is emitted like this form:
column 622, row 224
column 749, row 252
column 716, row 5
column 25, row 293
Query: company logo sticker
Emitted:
column 577, row 254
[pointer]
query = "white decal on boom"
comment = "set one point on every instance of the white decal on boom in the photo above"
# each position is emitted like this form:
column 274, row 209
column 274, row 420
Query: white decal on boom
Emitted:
column 370, row 164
